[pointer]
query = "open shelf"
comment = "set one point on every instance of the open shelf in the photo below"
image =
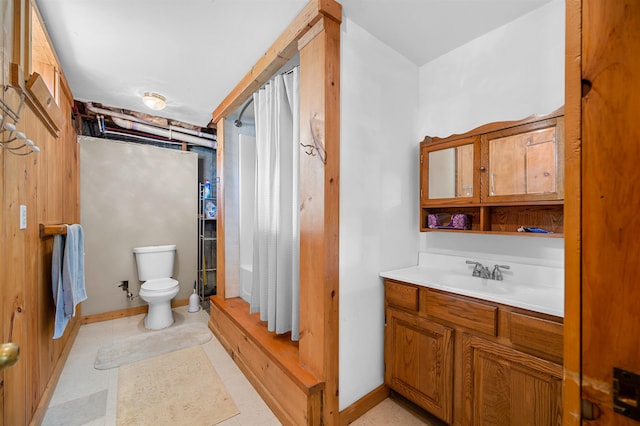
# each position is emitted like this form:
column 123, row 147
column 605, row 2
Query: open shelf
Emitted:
column 504, row 219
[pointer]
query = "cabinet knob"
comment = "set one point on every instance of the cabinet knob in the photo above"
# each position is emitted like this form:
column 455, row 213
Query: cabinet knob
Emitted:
column 483, row 169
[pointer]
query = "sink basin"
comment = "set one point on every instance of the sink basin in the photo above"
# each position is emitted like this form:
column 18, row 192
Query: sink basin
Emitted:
column 455, row 281
column 536, row 288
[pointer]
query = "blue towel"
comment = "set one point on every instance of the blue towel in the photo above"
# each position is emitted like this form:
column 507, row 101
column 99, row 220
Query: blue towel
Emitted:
column 73, row 270
column 67, row 274
column 61, row 320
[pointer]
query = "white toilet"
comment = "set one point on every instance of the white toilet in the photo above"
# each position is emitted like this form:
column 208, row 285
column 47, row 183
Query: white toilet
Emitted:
column 155, row 268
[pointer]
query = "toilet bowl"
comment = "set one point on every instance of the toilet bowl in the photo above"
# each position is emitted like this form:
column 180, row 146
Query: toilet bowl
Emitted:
column 155, row 268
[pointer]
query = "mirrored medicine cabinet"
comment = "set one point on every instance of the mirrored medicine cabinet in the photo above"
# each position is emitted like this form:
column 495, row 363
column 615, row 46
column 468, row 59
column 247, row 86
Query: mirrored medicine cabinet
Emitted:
column 503, row 175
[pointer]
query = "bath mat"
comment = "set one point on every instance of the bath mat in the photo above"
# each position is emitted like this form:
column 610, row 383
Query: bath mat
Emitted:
column 150, row 344
column 178, row 388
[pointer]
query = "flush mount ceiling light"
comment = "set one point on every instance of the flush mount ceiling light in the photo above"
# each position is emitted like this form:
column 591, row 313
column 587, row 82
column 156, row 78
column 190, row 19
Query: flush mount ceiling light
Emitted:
column 154, row 100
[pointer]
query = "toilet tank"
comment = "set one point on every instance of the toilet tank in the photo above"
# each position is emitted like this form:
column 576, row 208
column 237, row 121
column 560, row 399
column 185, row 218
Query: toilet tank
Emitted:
column 155, row 261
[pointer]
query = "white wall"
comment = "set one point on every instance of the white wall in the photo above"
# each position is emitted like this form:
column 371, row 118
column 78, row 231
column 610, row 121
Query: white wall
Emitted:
column 387, row 106
column 508, row 74
column 246, row 209
column 134, row 195
column 231, row 212
column 378, row 197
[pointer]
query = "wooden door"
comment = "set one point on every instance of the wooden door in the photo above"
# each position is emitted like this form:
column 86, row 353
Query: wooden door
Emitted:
column 3, row 336
column 610, row 208
column 507, row 387
column 419, row 364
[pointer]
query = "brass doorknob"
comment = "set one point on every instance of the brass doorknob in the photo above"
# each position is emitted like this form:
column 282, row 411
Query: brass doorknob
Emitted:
column 9, row 353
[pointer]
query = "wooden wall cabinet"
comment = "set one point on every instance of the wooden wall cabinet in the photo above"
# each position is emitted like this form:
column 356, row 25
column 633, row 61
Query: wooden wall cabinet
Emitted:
column 470, row 361
column 503, row 175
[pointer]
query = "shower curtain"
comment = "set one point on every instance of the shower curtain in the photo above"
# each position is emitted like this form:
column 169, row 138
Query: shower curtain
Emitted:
column 275, row 289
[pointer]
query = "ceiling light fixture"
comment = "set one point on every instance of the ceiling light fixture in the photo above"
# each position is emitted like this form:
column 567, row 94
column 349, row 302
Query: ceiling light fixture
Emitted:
column 154, row 100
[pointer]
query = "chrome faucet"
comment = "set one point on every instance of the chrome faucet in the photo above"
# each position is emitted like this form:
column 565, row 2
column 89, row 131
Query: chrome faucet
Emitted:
column 496, row 274
column 481, row 271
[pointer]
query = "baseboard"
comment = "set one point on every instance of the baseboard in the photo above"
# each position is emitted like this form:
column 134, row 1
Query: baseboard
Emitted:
column 364, row 404
column 47, row 394
column 127, row 312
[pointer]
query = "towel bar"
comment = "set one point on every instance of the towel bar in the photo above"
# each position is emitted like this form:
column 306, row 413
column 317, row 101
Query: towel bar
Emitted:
column 51, row 230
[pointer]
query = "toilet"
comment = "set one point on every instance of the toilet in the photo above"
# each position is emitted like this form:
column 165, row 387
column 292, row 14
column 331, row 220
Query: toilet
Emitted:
column 155, row 268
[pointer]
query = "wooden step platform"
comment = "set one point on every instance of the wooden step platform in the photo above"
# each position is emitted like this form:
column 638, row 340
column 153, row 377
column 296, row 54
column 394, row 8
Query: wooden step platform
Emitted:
column 269, row 361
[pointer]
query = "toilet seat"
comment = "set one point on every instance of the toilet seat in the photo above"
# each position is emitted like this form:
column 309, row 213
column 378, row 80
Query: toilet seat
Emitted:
column 159, row 285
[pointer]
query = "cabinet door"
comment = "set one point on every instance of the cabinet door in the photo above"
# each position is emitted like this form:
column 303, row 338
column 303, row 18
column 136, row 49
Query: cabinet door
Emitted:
column 448, row 172
column 419, row 361
column 522, row 163
column 506, row 387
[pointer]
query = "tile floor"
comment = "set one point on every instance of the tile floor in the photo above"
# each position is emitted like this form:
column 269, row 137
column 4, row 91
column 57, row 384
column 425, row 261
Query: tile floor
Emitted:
column 86, row 396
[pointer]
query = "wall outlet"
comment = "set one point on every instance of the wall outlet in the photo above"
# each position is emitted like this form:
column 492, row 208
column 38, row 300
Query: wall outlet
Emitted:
column 23, row 216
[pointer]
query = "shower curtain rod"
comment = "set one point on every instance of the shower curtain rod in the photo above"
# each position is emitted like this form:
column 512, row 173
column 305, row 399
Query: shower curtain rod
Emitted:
column 238, row 122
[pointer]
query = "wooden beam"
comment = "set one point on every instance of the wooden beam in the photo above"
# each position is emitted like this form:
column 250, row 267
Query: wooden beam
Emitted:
column 572, row 398
column 319, row 211
column 283, row 49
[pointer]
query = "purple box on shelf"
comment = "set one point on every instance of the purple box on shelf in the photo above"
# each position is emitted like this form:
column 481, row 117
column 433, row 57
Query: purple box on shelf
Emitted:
column 449, row 221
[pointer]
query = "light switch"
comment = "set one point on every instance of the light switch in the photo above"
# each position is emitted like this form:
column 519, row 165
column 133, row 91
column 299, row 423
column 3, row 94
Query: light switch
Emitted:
column 23, row 216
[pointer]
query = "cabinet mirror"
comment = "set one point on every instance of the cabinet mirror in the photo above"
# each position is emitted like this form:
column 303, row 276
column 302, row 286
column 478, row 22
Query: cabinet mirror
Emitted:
column 450, row 172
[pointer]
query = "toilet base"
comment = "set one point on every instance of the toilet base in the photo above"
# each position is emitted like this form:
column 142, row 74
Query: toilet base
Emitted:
column 159, row 316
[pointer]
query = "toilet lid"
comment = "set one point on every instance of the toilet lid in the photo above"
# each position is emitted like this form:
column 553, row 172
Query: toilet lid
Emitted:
column 160, row 284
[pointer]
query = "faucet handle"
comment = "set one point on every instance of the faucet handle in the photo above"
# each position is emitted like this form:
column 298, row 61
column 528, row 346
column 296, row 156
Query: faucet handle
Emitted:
column 476, row 269
column 497, row 273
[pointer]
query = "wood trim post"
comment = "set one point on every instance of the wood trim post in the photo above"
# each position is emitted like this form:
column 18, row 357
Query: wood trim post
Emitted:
column 319, row 212
column 220, row 240
column 572, row 215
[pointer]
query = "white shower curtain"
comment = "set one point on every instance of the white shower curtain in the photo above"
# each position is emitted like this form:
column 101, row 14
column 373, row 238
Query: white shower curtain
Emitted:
column 275, row 289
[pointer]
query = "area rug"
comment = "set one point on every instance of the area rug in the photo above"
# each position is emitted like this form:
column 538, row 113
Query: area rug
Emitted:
column 178, row 388
column 150, row 344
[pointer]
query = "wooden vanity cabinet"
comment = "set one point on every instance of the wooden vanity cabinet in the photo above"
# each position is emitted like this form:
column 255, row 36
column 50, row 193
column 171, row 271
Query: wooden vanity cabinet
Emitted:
column 509, row 387
column 470, row 361
column 503, row 175
column 418, row 353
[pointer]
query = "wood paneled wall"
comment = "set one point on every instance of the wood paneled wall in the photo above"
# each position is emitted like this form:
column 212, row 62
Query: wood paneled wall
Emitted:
column 47, row 183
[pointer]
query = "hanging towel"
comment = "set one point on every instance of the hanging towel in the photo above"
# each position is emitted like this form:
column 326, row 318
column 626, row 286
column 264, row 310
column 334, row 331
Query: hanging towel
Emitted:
column 56, row 285
column 73, row 270
column 67, row 276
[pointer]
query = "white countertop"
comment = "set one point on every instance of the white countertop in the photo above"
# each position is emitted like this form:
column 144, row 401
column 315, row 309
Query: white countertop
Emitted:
column 539, row 289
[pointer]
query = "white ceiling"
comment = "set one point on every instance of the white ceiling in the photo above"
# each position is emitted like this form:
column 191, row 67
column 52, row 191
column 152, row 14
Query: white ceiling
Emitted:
column 194, row 52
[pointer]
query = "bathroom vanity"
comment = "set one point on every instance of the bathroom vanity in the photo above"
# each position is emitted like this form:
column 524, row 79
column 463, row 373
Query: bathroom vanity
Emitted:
column 472, row 343
column 473, row 350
